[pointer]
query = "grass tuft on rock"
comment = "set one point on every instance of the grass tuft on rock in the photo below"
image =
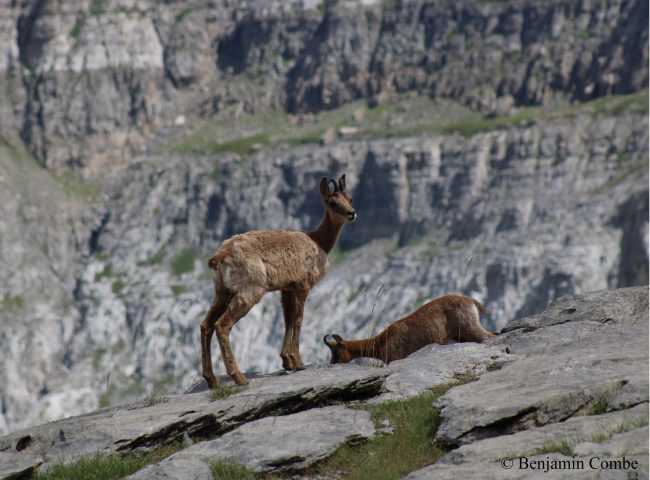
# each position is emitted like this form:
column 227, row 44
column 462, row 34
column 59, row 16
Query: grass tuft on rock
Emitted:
column 105, row 467
column 222, row 391
column 556, row 447
column 225, row 470
column 97, row 467
column 154, row 399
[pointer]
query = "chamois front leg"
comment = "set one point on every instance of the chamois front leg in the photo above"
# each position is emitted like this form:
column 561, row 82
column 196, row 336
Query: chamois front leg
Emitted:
column 293, row 305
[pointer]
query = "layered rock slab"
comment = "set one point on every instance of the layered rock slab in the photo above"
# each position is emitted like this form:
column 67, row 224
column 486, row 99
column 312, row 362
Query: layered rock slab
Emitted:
column 554, row 466
column 576, row 357
column 270, row 444
column 138, row 427
column 440, row 364
column 575, row 431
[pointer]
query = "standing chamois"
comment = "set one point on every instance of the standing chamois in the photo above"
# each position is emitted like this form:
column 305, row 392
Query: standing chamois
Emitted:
column 452, row 317
column 247, row 266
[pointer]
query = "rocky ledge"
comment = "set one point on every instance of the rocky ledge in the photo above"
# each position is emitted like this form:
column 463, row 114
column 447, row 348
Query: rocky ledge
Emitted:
column 568, row 384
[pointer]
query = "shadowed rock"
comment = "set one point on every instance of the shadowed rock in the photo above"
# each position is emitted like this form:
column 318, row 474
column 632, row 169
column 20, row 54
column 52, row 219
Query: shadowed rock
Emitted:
column 298, row 441
column 131, row 427
column 576, row 430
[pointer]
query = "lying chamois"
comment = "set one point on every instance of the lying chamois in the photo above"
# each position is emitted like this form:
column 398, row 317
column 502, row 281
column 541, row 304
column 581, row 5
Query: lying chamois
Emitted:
column 452, row 317
column 247, row 266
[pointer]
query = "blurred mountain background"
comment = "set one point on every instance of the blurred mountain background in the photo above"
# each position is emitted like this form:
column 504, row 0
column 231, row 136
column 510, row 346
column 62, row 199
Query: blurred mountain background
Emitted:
column 497, row 149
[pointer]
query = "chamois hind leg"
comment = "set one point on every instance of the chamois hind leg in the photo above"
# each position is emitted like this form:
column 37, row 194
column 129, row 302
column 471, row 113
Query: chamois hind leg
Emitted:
column 293, row 305
column 238, row 306
column 216, row 309
column 472, row 330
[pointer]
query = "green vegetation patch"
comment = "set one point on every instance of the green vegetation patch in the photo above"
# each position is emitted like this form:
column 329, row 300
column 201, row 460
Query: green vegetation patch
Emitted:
column 493, row 367
column 617, row 104
column 178, row 289
column 629, row 425
column 105, row 467
column 105, row 397
column 640, row 168
column 154, row 399
column 106, row 272
column 183, row 13
column 98, row 467
column 198, row 144
column 225, row 470
column 29, row 177
column 398, row 116
column 409, row 448
column 12, row 302
column 98, row 7
column 600, row 405
column 98, row 356
column 222, row 391
column 337, row 254
column 555, row 447
column 76, row 30
column 155, row 260
column 183, row 262
column 117, row 286
column 241, row 146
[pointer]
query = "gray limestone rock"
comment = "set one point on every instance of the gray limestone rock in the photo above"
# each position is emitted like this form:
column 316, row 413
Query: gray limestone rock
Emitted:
column 609, row 455
column 271, row 444
column 606, row 366
column 14, row 466
column 140, row 427
column 574, row 432
column 439, row 364
column 552, row 466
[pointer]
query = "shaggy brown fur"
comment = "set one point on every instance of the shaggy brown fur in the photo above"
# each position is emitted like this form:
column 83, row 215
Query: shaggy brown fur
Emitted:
column 247, row 266
column 452, row 317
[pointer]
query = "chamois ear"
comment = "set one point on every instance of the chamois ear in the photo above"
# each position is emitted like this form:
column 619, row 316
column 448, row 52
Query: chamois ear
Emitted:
column 331, row 340
column 324, row 188
column 342, row 183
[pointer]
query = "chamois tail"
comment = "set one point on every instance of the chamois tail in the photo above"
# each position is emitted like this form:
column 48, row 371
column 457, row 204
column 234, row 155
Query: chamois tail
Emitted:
column 480, row 307
column 216, row 259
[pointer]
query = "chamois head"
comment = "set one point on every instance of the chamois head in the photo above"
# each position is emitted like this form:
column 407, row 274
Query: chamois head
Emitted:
column 340, row 354
column 337, row 202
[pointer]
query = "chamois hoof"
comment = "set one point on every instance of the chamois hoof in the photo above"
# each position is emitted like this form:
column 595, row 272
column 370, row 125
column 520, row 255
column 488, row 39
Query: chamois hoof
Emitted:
column 211, row 381
column 239, row 379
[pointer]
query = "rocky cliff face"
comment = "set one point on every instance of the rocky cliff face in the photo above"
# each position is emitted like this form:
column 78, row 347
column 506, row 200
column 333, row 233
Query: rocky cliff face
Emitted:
column 84, row 82
column 104, row 280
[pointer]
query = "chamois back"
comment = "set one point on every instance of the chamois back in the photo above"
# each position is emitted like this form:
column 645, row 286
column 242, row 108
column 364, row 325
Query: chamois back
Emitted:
column 451, row 317
column 272, row 260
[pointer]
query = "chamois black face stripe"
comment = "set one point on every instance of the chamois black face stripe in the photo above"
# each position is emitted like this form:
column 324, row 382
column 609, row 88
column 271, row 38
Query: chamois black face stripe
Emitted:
column 335, row 358
column 338, row 209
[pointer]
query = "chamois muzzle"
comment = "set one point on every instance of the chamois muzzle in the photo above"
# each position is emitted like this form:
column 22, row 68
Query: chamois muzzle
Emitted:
column 352, row 216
